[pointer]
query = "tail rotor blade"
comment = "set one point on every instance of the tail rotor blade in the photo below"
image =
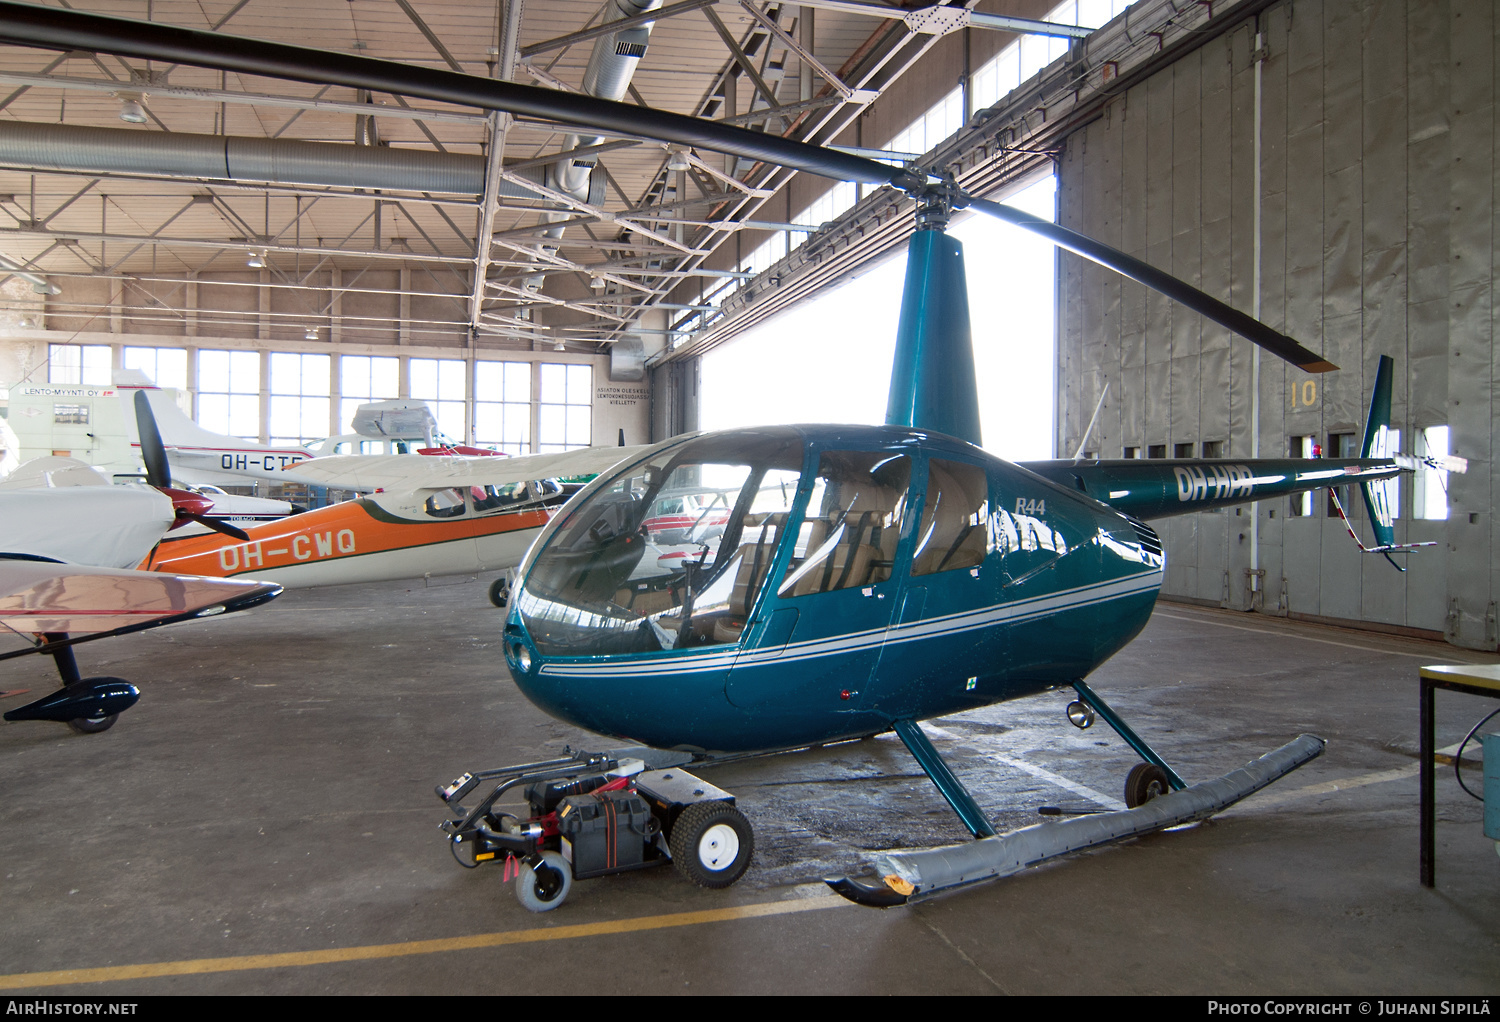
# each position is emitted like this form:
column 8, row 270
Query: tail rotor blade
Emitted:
column 153, row 452
column 1251, row 329
column 216, row 524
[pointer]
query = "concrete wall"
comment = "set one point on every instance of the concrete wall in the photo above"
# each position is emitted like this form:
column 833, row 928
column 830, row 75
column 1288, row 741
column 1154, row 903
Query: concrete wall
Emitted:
column 1379, row 167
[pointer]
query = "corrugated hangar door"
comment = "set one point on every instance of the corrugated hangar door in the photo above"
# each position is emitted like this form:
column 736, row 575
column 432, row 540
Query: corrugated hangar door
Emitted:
column 1377, row 171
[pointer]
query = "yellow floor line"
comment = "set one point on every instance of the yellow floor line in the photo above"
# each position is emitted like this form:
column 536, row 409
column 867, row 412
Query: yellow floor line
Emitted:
column 1274, row 798
column 200, row 966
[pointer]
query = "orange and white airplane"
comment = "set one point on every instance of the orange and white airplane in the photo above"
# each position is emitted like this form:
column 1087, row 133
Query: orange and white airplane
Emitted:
column 428, row 517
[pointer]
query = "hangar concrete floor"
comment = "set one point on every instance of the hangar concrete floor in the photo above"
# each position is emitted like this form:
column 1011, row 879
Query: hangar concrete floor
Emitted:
column 263, row 821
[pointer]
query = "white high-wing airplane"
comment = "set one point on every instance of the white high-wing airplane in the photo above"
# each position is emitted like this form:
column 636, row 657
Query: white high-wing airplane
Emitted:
column 200, row 456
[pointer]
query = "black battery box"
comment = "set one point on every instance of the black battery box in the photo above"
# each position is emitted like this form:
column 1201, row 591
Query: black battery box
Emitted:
column 604, row 832
column 545, row 796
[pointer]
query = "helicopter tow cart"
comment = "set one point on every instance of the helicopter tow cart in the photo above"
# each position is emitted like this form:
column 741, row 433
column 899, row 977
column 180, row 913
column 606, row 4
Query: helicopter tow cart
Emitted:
column 595, row 814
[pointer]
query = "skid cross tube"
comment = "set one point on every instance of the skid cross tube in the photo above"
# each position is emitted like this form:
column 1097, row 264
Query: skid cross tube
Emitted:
column 1135, row 741
column 950, row 786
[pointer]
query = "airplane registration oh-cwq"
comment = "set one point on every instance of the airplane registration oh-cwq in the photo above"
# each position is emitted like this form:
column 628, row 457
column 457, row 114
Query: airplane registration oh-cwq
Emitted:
column 865, row 578
column 430, row 516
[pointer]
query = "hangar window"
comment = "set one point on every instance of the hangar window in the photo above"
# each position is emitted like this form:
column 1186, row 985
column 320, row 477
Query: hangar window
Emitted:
column 1300, row 505
column 229, row 392
column 440, row 382
column 365, row 378
column 502, row 406
column 299, row 397
column 565, row 414
column 165, row 367
column 1343, row 445
column 84, row 364
column 1182, row 450
column 1156, row 451
column 1430, row 496
column 1213, row 448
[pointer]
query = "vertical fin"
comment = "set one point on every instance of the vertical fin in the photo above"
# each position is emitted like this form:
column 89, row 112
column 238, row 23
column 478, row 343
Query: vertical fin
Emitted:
column 1378, row 493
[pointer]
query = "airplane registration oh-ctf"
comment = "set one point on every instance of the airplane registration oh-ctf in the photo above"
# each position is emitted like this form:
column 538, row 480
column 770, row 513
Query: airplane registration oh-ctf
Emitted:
column 863, row 579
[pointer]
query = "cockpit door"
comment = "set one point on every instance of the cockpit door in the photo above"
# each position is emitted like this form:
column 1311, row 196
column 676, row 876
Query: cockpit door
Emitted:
column 835, row 590
column 947, row 645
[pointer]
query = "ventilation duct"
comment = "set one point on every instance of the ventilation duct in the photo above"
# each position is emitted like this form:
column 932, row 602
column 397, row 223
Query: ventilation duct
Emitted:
column 611, row 66
column 281, row 161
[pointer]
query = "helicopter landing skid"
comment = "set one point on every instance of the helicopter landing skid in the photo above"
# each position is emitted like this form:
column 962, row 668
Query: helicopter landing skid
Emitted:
column 912, row 876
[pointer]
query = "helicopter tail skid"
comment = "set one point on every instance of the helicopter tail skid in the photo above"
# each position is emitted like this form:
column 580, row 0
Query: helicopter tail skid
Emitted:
column 913, row 876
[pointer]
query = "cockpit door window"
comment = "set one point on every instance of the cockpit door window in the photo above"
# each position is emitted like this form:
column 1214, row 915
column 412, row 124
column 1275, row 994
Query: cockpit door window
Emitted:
column 852, row 526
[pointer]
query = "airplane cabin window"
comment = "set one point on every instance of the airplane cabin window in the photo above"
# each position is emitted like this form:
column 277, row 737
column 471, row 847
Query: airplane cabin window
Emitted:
column 954, row 529
column 849, row 534
column 669, row 554
column 445, row 504
column 498, row 498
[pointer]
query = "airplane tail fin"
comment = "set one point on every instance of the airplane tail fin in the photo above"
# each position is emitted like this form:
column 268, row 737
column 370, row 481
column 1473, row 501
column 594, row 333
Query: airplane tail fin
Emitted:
column 1380, row 494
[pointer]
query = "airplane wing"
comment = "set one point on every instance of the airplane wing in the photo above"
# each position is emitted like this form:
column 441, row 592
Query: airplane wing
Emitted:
column 369, row 472
column 45, row 596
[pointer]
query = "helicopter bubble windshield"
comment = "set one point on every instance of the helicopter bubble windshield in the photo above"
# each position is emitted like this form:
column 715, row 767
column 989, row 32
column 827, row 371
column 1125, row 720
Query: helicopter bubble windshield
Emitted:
column 668, row 555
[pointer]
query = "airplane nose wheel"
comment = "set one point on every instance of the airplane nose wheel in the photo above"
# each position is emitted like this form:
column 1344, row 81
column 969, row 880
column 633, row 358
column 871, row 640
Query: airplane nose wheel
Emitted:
column 500, row 592
column 93, row 725
column 1144, row 782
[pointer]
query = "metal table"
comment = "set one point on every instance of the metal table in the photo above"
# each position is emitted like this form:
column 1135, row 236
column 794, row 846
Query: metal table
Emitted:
column 1476, row 679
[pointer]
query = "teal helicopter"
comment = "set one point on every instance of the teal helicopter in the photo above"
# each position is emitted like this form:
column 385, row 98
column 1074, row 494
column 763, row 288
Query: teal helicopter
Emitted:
column 837, row 581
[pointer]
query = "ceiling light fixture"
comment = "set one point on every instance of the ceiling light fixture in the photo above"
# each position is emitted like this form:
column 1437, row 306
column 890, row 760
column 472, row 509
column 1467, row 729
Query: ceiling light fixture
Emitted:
column 596, row 282
column 132, row 107
column 677, row 162
column 311, row 334
column 257, row 259
column 559, row 345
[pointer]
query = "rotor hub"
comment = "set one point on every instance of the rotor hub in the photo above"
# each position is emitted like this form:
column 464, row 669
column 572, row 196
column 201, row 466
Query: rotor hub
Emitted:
column 936, row 201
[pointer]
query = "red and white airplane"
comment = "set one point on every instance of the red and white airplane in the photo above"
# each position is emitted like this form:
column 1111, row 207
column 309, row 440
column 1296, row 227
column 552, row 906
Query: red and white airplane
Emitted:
column 432, row 516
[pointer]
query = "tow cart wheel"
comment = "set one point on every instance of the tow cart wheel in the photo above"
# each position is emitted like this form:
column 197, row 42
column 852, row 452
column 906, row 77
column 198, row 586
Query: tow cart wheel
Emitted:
column 546, row 887
column 93, row 725
column 712, row 844
column 1144, row 782
column 500, row 592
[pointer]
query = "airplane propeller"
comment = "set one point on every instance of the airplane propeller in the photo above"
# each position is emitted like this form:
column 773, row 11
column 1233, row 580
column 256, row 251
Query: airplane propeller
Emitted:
column 53, row 28
column 189, row 507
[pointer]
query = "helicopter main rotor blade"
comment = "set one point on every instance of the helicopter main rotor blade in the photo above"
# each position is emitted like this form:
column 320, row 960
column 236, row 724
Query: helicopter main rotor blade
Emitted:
column 1248, row 327
column 57, row 29
column 53, row 28
column 153, row 451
